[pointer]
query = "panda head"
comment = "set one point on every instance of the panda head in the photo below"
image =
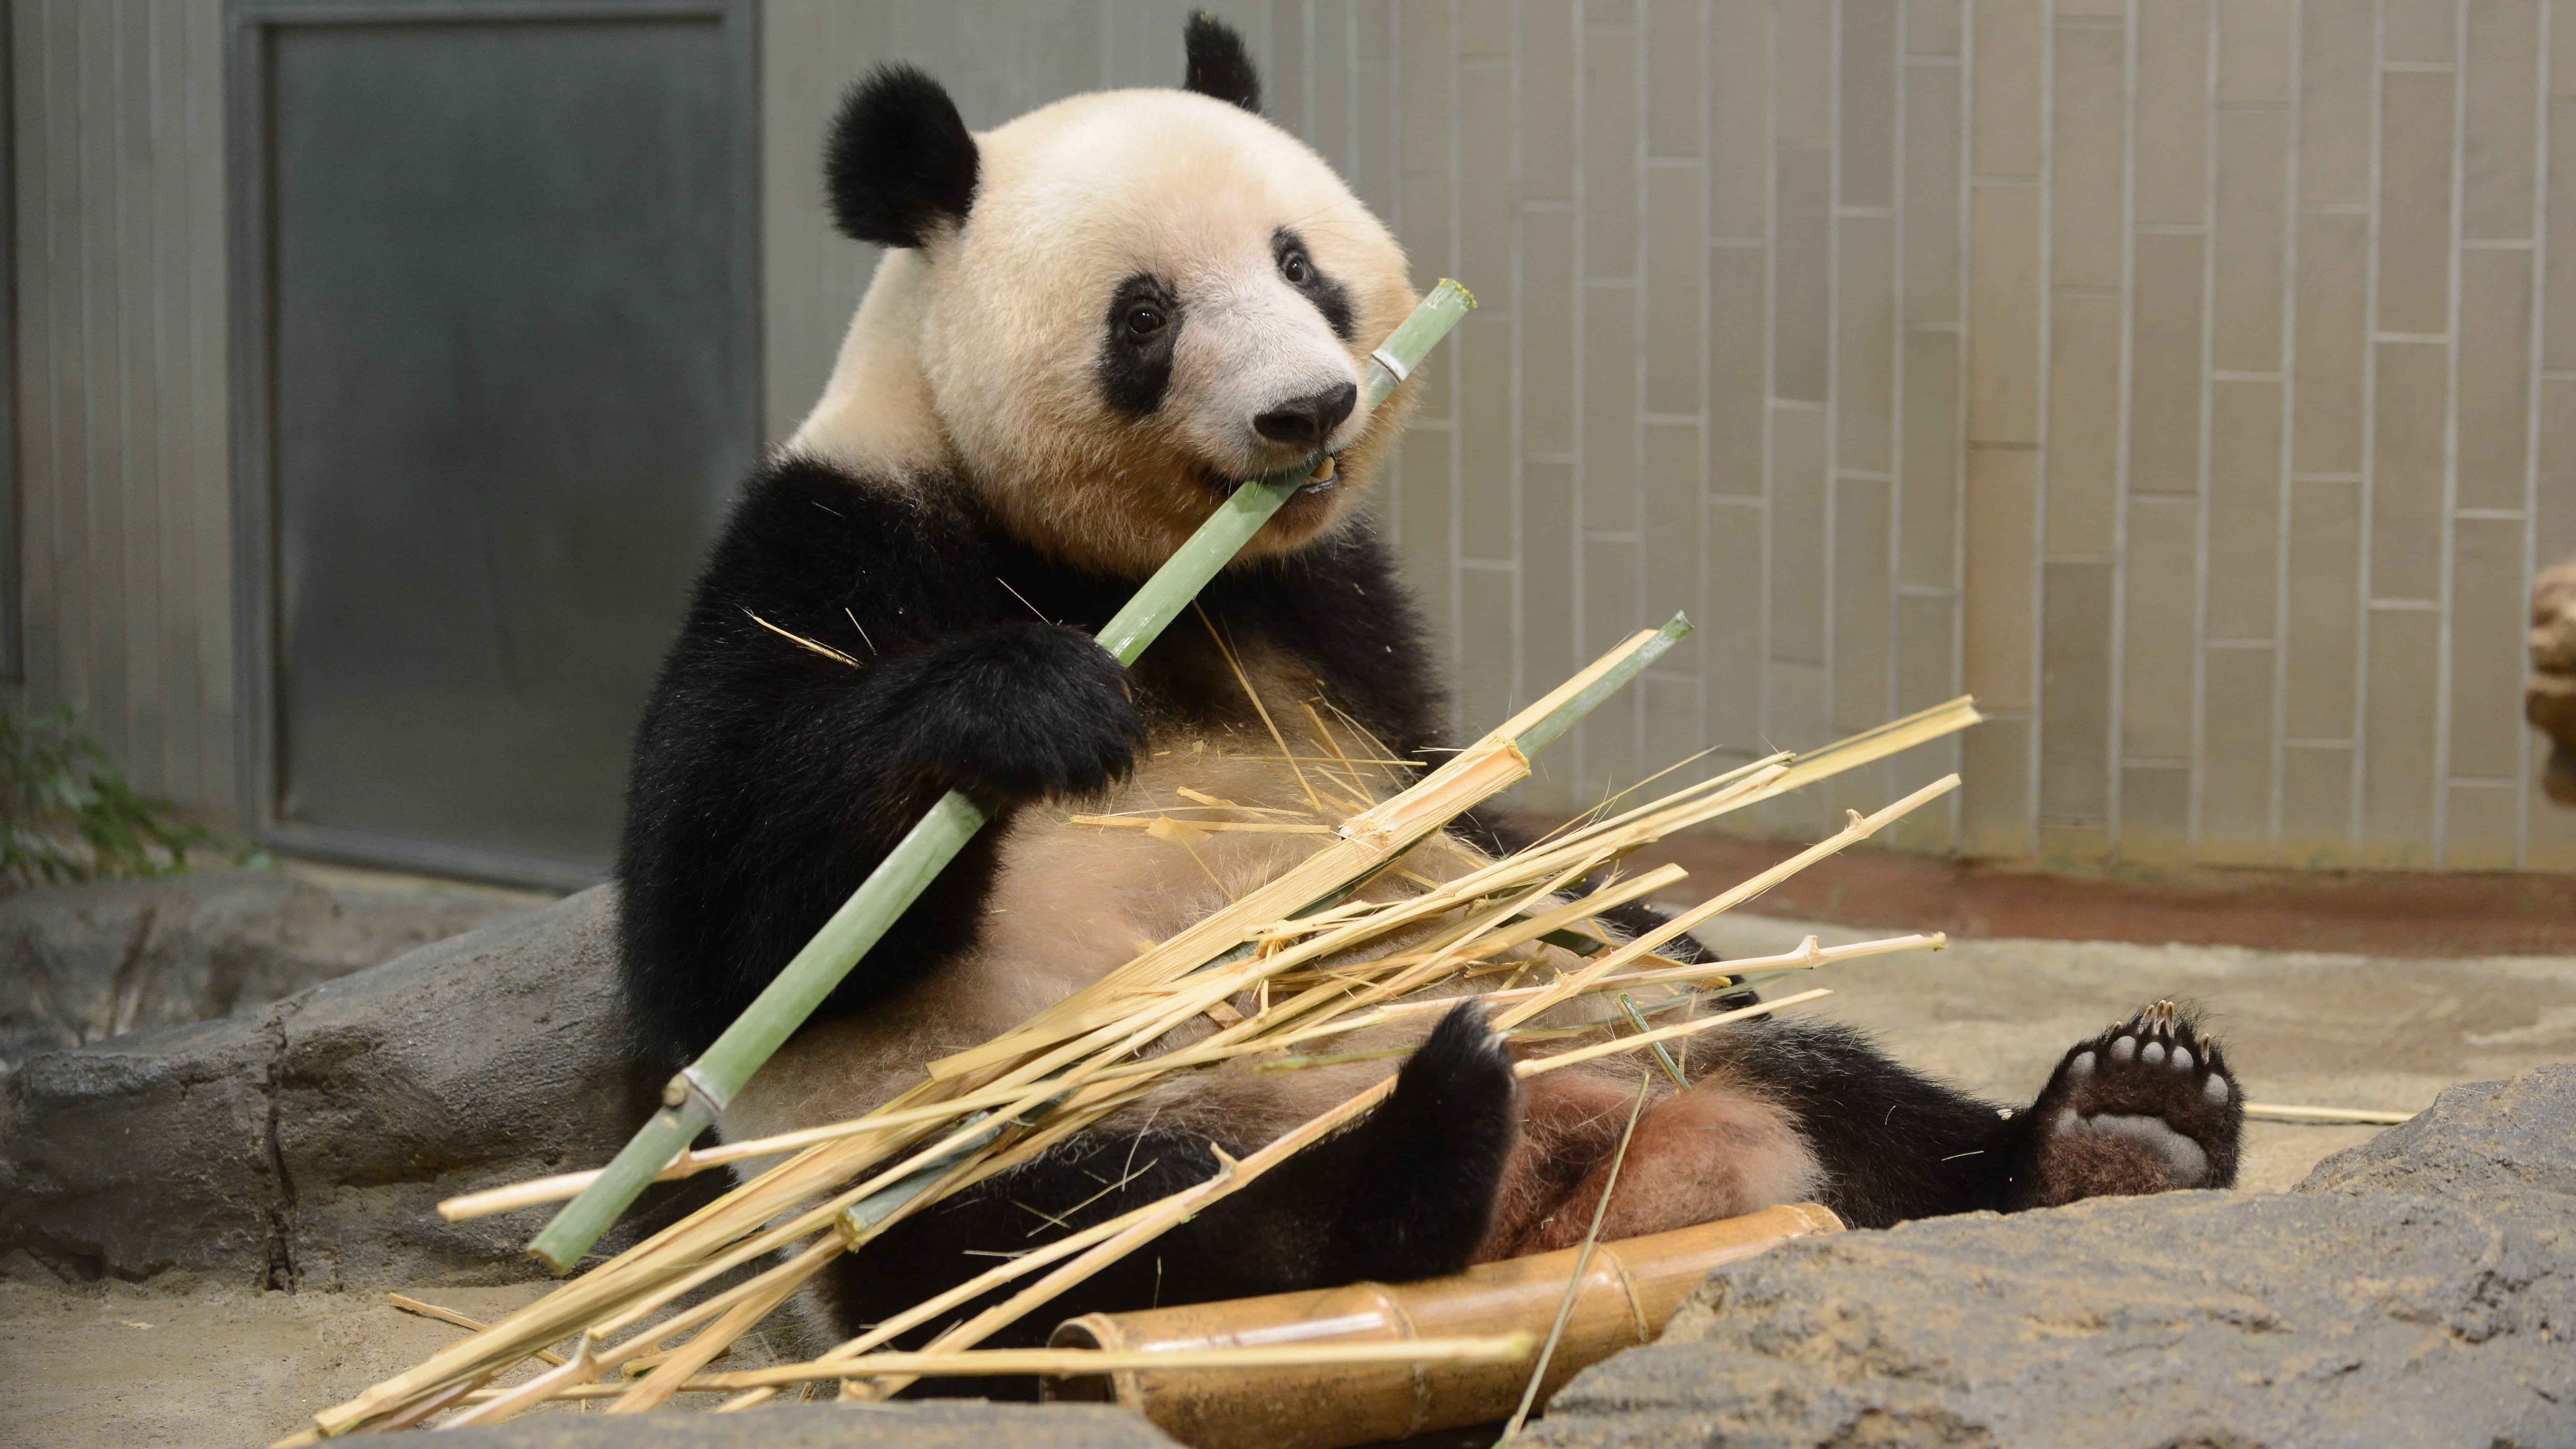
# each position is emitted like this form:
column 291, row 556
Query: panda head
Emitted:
column 1117, row 307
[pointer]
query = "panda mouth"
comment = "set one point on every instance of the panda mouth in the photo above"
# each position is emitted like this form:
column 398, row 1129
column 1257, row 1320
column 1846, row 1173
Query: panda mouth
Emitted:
column 1328, row 464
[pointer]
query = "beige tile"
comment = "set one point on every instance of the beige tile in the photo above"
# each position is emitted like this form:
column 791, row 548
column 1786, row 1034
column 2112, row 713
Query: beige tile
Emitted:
column 1734, row 627
column 1422, row 514
column 2406, row 476
column 1373, row 176
column 1427, row 40
column 1868, row 135
column 1548, row 544
column 2397, row 764
column 1676, row 259
column 1798, row 536
column 2164, row 377
column 2157, row 642
column 1797, row 708
column 2555, row 523
column 1929, row 501
column 2083, row 424
column 2420, row 30
column 1422, row 219
column 1672, row 501
column 1932, row 27
column 2558, row 266
column 1483, row 359
column 2001, row 621
column 1674, row 51
column 1930, row 223
column 1483, row 683
column 1613, row 608
column 2504, row 117
column 2489, row 617
column 2316, row 806
column 1735, row 397
column 1926, row 652
column 1547, row 101
column 2479, row 833
column 2495, row 377
column 2012, row 37
column 1674, row 728
column 2248, row 261
column 2003, row 314
column 1609, row 408
column 1865, row 354
column 1802, row 61
column 2322, row 632
column 2330, row 356
column 2091, row 101
column 2091, row 10
column 1803, row 274
column 1864, row 680
column 2562, row 61
column 1739, row 105
column 1994, row 790
column 1484, row 28
column 2075, row 693
column 2415, row 203
column 2173, row 110
column 2335, row 87
column 1611, row 12
column 2236, row 760
column 2244, row 508
column 1609, row 153
column 2155, row 815
column 1547, row 332
column 2257, row 43
column 1486, row 204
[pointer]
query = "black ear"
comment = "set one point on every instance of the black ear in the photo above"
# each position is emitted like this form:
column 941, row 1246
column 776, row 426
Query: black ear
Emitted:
column 1219, row 66
column 898, row 163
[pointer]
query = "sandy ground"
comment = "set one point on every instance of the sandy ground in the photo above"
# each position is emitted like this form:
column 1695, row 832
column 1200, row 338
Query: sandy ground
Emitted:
column 119, row 1365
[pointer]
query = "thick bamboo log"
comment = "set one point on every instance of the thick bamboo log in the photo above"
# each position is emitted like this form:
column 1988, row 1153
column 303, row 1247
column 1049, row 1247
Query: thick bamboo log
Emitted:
column 1630, row 1289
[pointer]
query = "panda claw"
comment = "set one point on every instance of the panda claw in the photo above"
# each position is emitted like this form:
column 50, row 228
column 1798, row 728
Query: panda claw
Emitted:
column 2146, row 1106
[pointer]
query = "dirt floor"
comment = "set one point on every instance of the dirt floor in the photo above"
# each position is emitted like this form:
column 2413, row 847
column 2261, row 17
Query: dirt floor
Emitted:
column 119, row 1365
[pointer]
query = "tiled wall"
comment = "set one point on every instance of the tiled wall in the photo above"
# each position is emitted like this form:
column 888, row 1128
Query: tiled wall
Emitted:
column 2178, row 376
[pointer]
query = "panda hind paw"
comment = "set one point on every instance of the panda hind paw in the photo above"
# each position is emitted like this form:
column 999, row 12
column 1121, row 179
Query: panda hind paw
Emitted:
column 2149, row 1105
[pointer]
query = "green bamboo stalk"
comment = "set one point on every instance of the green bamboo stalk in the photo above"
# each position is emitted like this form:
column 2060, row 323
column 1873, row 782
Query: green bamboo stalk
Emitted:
column 694, row 1097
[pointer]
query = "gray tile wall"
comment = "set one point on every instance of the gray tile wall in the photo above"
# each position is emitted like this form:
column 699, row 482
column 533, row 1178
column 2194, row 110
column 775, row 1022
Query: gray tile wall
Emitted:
column 2179, row 376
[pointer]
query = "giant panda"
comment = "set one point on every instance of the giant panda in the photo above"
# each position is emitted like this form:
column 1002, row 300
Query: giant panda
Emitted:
column 1089, row 325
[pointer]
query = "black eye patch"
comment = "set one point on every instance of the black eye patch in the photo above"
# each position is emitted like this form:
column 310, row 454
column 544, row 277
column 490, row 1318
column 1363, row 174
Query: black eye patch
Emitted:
column 1135, row 365
column 1297, row 267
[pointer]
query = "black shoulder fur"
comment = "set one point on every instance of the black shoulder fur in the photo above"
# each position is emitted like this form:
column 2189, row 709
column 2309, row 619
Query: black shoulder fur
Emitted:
column 769, row 777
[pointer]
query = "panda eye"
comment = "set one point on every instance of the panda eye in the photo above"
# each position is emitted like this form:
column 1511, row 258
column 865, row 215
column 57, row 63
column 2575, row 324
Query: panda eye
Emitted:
column 1143, row 321
column 1296, row 269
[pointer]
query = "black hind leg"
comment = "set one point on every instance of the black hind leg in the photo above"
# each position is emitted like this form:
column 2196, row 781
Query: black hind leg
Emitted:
column 1407, row 1192
column 2147, row 1106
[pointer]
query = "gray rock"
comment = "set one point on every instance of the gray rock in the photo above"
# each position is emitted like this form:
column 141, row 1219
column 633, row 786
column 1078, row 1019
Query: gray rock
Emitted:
column 82, row 963
column 957, row 1424
column 2418, row 1291
column 306, row 1145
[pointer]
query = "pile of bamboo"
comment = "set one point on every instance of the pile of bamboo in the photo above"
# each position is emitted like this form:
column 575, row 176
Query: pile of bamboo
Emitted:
column 1309, row 960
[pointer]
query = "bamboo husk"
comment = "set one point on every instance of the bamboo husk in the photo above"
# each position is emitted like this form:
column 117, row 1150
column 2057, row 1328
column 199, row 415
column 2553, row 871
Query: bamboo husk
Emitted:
column 1078, row 1061
column 2313, row 1116
column 1622, row 1299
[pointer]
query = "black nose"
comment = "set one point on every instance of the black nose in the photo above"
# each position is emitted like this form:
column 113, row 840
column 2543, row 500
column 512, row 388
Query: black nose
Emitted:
column 1307, row 421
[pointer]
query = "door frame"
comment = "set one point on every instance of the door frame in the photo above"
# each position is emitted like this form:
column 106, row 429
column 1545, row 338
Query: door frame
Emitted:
column 250, row 30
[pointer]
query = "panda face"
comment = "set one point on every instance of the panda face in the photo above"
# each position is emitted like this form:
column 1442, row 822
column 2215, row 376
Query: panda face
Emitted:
column 1154, row 297
column 1111, row 311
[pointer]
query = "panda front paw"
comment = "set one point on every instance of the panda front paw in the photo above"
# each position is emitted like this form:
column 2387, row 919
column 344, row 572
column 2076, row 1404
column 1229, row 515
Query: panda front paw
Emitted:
column 1023, row 711
column 2147, row 1106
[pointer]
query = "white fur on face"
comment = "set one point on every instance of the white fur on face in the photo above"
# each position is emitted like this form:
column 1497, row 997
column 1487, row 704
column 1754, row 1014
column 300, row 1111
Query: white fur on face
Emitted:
column 982, row 352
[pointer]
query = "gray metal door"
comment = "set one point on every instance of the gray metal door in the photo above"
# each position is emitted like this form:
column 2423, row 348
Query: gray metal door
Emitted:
column 496, row 312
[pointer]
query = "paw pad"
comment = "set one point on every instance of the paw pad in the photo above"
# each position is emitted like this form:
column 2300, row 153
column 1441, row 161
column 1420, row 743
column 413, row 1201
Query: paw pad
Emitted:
column 2146, row 1106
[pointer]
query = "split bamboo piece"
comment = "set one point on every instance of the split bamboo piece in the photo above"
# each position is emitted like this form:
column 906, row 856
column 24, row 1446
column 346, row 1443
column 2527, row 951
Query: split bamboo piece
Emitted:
column 1621, row 1299
column 694, row 1097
